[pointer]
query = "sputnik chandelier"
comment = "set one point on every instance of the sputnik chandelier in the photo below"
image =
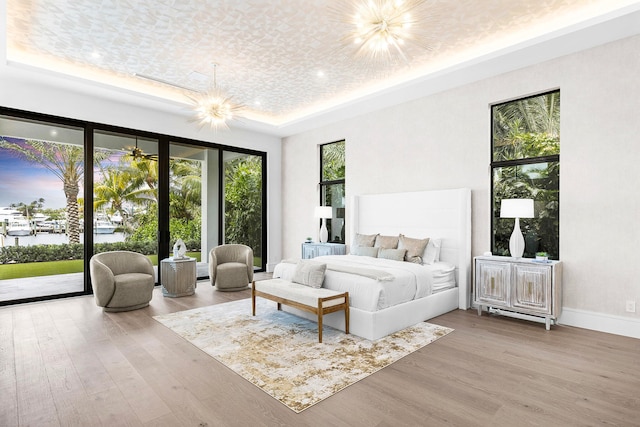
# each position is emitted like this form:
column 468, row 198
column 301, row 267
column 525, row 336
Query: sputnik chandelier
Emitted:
column 213, row 107
column 381, row 28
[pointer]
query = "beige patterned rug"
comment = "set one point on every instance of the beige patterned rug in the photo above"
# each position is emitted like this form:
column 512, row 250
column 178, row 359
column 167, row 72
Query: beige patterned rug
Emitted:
column 280, row 353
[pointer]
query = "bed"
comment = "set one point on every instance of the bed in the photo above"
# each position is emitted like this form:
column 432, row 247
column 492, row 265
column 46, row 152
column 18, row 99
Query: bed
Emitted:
column 385, row 295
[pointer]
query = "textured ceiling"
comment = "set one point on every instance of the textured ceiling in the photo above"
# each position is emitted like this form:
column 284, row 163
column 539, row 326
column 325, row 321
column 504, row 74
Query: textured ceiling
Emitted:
column 269, row 52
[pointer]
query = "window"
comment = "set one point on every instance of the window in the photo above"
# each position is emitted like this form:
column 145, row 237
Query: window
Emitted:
column 526, row 164
column 332, row 173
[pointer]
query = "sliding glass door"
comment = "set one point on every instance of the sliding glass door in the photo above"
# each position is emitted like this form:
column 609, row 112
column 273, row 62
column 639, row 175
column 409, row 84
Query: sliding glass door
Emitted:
column 141, row 192
column 193, row 200
column 41, row 236
column 125, row 193
column 243, row 203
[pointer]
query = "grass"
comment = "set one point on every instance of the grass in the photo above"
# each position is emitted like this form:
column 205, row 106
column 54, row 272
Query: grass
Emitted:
column 50, row 268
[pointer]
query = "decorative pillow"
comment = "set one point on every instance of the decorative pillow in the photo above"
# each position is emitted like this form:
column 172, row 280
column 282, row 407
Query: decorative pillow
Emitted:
column 309, row 273
column 365, row 251
column 394, row 254
column 364, row 239
column 386, row 242
column 415, row 248
column 432, row 252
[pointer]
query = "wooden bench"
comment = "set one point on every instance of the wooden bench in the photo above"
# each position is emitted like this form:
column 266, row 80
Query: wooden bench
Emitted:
column 319, row 301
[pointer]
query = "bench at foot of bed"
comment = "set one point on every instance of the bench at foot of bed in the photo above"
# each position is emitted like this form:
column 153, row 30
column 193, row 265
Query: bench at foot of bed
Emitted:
column 319, row 301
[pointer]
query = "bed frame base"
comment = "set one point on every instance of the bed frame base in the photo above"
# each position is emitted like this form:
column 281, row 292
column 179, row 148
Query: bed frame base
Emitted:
column 374, row 325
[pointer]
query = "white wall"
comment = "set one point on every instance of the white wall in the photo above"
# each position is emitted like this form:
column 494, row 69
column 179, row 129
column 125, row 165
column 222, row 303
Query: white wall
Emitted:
column 443, row 141
column 65, row 97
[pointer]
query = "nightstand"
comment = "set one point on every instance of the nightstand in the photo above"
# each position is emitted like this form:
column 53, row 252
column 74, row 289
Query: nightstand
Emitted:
column 312, row 250
column 519, row 287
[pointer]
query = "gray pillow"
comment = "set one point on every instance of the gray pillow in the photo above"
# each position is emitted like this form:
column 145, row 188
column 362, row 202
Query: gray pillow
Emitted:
column 364, row 239
column 309, row 273
column 387, row 242
column 415, row 248
column 393, row 254
column 365, row 251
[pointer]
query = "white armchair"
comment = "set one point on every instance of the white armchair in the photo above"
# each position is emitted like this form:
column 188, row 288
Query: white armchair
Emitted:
column 231, row 267
column 122, row 280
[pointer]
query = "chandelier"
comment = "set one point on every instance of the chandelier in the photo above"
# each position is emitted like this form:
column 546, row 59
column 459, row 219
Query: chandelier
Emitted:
column 213, row 107
column 381, row 28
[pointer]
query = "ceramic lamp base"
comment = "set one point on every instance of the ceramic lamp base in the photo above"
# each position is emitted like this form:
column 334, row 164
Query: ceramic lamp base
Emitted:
column 516, row 242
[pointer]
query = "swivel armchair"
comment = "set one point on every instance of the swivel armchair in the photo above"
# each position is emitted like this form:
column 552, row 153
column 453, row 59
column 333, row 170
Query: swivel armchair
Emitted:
column 122, row 280
column 231, row 267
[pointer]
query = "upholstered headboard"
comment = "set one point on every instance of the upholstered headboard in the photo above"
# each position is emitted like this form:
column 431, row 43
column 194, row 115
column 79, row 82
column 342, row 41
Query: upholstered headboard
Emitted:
column 444, row 214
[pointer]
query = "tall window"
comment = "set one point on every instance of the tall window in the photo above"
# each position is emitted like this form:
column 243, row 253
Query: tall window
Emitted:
column 332, row 186
column 526, row 164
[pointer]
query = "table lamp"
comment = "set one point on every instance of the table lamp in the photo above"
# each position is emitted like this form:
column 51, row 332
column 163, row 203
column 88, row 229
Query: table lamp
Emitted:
column 516, row 208
column 323, row 212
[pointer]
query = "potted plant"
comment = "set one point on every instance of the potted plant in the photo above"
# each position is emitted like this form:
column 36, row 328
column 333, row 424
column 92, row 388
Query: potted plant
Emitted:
column 309, row 240
column 542, row 256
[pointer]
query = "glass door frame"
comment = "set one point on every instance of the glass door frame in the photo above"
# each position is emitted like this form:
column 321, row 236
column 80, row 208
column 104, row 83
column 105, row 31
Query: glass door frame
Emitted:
column 163, row 187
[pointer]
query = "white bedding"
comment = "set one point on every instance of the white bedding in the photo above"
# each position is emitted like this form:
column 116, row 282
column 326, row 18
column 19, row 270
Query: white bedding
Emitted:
column 411, row 281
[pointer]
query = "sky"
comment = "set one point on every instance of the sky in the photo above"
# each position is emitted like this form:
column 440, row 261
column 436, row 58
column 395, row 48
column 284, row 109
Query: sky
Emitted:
column 23, row 181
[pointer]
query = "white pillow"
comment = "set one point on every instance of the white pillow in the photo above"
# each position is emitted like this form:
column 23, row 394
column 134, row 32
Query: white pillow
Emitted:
column 309, row 273
column 392, row 254
column 365, row 251
column 432, row 251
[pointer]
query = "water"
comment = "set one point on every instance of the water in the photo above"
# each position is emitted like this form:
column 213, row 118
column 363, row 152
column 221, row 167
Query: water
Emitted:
column 56, row 239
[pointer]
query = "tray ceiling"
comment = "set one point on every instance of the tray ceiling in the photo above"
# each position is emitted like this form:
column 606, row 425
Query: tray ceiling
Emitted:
column 282, row 59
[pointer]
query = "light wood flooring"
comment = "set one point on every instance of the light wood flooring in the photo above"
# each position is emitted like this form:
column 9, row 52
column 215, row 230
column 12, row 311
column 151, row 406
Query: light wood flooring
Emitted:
column 67, row 363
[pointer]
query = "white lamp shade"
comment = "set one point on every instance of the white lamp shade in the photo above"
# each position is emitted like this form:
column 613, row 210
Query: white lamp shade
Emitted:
column 516, row 208
column 323, row 212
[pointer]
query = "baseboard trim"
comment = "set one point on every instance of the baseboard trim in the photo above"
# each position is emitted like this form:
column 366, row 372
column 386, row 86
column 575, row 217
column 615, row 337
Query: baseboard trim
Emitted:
column 608, row 323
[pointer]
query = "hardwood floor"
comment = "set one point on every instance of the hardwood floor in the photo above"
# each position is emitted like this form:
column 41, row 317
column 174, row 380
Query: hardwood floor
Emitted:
column 67, row 363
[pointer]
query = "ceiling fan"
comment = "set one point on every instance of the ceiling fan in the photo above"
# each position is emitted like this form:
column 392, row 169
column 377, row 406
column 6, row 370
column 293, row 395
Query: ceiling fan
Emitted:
column 136, row 153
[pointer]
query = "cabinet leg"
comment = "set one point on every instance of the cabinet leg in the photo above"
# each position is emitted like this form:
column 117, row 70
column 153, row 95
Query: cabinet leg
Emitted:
column 548, row 323
column 479, row 310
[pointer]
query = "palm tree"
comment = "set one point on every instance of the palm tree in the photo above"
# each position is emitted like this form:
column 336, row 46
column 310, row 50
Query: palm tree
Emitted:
column 66, row 162
column 143, row 170
column 185, row 189
column 333, row 161
column 527, row 128
column 119, row 187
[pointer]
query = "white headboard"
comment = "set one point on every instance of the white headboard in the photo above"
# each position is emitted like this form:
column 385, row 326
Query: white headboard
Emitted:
column 442, row 214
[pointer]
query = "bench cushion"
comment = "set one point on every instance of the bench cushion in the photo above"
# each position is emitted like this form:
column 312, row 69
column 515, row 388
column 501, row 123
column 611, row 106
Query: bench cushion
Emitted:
column 299, row 293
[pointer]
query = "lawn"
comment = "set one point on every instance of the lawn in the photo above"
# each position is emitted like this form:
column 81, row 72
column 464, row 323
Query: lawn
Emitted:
column 49, row 268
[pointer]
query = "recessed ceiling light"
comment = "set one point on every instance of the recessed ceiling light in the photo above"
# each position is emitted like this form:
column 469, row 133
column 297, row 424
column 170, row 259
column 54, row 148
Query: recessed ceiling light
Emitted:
column 320, row 73
column 53, row 132
column 95, row 55
column 257, row 102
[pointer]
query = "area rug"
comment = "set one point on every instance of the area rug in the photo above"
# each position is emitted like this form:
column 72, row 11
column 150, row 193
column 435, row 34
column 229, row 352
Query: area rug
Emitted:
column 279, row 352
